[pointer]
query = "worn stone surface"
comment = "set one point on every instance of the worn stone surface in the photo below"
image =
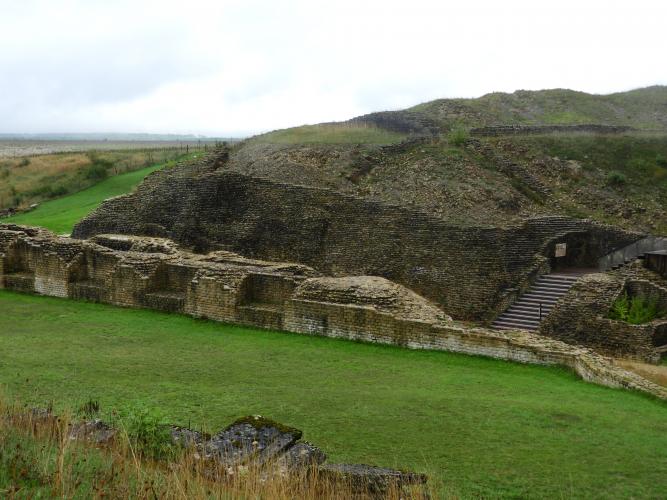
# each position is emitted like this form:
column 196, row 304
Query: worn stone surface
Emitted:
column 470, row 271
column 253, row 438
column 94, row 431
column 187, row 438
column 250, row 442
column 141, row 244
column 304, row 454
column 368, row 478
column 378, row 293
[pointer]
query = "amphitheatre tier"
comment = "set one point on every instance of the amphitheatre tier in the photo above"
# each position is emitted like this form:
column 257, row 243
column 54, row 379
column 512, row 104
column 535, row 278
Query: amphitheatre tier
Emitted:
column 465, row 205
column 472, row 272
column 154, row 273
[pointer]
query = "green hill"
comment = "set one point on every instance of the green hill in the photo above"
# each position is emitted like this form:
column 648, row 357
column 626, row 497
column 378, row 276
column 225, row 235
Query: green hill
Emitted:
column 424, row 157
column 411, row 158
column 642, row 109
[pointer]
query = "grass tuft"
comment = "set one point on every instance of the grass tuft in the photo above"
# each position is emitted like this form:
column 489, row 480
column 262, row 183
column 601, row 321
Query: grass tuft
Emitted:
column 635, row 310
column 60, row 215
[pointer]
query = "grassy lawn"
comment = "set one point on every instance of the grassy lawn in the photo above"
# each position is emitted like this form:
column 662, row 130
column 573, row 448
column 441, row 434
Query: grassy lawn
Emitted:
column 480, row 427
column 61, row 214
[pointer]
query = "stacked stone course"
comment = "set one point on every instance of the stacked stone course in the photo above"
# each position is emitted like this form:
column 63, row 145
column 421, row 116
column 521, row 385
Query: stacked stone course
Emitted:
column 471, row 272
column 581, row 317
column 227, row 287
column 498, row 130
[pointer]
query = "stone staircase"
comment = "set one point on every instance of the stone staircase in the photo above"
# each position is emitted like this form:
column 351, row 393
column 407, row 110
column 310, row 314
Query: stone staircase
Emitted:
column 525, row 312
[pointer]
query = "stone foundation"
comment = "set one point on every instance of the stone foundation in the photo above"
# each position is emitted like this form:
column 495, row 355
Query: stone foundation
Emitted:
column 582, row 317
column 227, row 287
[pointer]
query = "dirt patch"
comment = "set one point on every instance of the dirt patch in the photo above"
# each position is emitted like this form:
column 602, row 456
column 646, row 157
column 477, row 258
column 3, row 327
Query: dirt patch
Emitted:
column 654, row 373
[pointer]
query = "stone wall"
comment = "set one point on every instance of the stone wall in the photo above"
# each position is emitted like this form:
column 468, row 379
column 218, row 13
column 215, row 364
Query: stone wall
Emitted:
column 582, row 317
column 471, row 272
column 547, row 129
column 657, row 261
column 227, row 287
column 649, row 291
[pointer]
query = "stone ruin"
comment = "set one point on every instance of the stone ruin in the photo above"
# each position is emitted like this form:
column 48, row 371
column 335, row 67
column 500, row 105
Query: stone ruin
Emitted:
column 582, row 315
column 249, row 442
column 470, row 272
column 154, row 273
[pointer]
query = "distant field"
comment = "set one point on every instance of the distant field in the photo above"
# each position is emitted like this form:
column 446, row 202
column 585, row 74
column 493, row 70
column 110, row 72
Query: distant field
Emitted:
column 61, row 214
column 332, row 133
column 36, row 179
column 18, row 148
column 479, row 427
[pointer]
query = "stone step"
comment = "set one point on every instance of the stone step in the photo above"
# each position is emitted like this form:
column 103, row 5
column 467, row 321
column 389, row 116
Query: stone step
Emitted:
column 536, row 303
column 537, row 298
column 532, row 316
column 531, row 303
column 561, row 285
column 549, row 290
column 546, row 293
column 528, row 307
column 528, row 311
column 503, row 325
column 519, row 320
column 556, row 280
column 558, row 283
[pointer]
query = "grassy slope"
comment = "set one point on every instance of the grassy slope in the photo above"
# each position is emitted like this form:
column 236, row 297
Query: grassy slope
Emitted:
column 639, row 160
column 642, row 108
column 481, row 426
column 61, row 214
column 38, row 178
column 331, row 134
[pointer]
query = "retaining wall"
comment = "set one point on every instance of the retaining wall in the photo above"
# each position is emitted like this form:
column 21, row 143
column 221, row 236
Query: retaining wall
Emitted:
column 471, row 272
column 228, row 287
column 581, row 317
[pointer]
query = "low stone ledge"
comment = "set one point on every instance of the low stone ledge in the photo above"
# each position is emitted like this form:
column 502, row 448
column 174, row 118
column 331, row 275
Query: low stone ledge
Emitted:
column 372, row 310
column 257, row 442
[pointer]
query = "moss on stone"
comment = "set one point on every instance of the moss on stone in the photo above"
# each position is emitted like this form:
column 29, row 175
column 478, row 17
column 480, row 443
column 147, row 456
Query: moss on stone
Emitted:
column 259, row 422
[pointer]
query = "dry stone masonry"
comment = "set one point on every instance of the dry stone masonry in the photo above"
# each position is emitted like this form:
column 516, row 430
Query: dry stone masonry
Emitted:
column 582, row 315
column 151, row 272
column 473, row 273
column 498, row 130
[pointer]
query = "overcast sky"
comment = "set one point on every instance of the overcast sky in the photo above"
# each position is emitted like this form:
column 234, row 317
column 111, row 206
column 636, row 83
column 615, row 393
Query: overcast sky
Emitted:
column 238, row 67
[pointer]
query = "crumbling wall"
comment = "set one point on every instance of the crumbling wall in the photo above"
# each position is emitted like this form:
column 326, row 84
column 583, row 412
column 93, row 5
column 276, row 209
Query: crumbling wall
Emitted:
column 582, row 317
column 649, row 291
column 372, row 310
column 469, row 271
column 213, row 296
column 368, row 325
column 498, row 130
